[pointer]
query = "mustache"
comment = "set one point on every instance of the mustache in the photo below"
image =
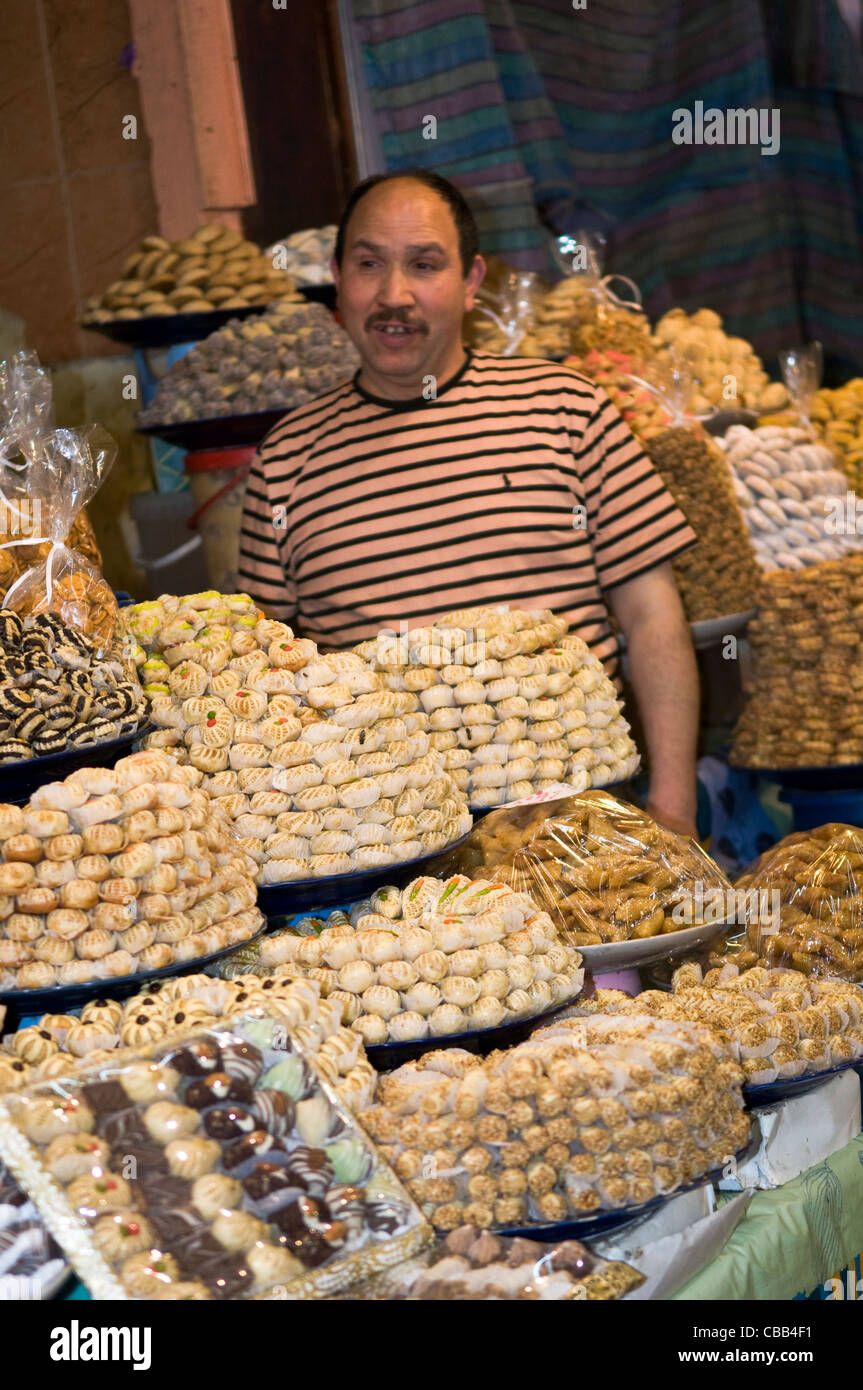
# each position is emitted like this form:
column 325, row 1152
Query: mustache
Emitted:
column 394, row 316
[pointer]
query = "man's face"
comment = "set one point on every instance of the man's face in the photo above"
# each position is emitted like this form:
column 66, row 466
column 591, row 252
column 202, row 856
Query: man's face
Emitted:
column 402, row 290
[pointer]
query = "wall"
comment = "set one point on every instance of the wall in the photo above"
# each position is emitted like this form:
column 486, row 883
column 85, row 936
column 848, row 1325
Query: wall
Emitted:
column 76, row 195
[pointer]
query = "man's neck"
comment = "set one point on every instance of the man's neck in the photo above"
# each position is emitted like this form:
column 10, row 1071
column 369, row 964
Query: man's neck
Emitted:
column 412, row 388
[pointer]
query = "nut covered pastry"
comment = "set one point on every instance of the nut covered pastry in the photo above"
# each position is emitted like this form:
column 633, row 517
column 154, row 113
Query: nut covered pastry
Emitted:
column 538, row 1152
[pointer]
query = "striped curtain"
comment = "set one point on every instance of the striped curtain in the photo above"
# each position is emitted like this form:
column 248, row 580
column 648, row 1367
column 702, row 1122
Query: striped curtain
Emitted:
column 539, row 104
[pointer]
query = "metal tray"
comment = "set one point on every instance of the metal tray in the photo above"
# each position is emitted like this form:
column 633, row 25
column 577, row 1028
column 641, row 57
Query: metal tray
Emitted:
column 624, row 955
column 772, row 1092
column 26, row 1003
column 164, row 330
column 220, row 431
column 304, row 894
column 481, row 1041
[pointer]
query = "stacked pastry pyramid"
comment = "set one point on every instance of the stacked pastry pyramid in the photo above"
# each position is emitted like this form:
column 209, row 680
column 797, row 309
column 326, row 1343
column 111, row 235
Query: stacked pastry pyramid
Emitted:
column 322, row 770
column 513, row 704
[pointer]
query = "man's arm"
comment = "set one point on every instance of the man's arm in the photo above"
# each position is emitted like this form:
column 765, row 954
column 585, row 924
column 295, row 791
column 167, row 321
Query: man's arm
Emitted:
column 664, row 677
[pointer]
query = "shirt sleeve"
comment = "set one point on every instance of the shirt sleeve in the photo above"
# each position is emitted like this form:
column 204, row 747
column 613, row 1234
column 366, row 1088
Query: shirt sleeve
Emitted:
column 264, row 567
column 633, row 521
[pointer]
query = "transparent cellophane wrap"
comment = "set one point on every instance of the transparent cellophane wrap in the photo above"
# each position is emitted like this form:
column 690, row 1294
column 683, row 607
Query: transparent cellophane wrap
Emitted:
column 471, row 1265
column 135, row 1171
column 490, row 847
column 49, row 475
column 775, row 1023
column 591, row 1114
column 607, row 872
column 812, row 883
column 506, row 308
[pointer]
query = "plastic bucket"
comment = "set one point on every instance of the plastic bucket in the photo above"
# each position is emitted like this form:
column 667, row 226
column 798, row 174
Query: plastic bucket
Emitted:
column 218, row 481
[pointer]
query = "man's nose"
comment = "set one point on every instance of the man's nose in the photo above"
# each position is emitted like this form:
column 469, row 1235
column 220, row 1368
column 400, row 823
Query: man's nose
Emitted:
column 394, row 289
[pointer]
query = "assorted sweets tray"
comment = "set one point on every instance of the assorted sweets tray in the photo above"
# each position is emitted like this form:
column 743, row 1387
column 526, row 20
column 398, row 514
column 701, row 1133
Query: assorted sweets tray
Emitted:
column 220, row 1168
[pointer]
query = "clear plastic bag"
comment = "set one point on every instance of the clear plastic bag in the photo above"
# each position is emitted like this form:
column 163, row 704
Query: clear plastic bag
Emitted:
column 607, row 872
column 61, row 471
column 591, row 1114
column 470, row 1265
column 219, row 1167
column 813, row 882
column 801, row 371
column 506, row 310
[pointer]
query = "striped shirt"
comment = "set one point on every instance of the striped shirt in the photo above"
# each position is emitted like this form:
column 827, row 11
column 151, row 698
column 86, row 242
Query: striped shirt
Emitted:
column 518, row 484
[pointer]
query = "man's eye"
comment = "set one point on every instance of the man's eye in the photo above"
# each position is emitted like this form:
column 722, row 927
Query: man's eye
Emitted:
column 425, row 265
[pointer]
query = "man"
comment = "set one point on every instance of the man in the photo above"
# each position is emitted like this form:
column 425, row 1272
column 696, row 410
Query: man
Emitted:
column 439, row 478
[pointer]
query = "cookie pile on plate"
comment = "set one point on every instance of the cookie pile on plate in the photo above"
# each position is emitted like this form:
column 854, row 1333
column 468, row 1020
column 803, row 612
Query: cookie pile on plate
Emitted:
column 776, row 1023
column 791, row 493
column 214, row 268
column 106, row 1031
column 434, row 959
column 118, row 871
column 591, row 1114
column 322, row 771
column 513, row 704
column 57, row 693
column 277, row 360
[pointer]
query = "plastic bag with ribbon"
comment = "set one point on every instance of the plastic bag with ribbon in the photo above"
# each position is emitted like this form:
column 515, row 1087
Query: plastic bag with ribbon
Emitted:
column 506, row 309
column 42, row 494
column 801, row 371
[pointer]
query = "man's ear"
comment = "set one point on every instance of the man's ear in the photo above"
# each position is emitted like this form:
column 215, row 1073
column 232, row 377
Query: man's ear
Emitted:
column 335, row 272
column 475, row 277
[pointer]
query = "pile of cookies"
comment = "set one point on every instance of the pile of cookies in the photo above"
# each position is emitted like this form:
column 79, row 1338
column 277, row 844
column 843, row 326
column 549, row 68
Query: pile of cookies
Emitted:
column 306, row 255
column 15, row 560
column 214, row 268
column 838, row 416
column 811, row 882
column 719, row 575
column 613, row 371
column 117, row 872
column 217, row 1167
column 440, row 957
column 727, row 373
column 513, row 705
column 285, row 357
column 791, row 493
column 595, row 320
column 107, row 1031
column 805, row 705
column 321, row 771
column 776, row 1024
column 607, row 872
column 56, row 693
column 591, row 1114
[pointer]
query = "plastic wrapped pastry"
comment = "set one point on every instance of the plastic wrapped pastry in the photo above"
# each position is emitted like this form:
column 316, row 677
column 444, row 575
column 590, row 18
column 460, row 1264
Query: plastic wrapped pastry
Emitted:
column 245, row 1178
column 591, row 1114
